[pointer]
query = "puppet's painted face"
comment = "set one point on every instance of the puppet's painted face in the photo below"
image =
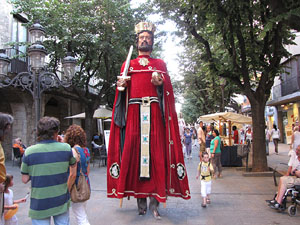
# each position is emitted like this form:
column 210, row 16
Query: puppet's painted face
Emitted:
column 145, row 42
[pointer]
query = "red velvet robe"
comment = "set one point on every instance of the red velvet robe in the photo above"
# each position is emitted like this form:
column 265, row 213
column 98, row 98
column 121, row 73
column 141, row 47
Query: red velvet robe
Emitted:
column 167, row 170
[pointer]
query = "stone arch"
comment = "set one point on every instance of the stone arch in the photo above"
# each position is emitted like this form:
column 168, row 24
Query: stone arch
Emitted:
column 57, row 107
column 11, row 102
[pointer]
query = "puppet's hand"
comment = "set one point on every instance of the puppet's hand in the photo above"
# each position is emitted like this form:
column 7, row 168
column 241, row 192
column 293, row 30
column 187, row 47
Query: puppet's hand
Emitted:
column 157, row 79
column 121, row 82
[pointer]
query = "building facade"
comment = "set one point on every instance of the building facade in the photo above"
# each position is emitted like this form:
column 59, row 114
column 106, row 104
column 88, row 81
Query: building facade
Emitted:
column 285, row 95
column 20, row 103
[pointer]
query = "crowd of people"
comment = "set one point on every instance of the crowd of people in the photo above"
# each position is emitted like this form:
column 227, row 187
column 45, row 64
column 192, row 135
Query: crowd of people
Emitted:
column 53, row 166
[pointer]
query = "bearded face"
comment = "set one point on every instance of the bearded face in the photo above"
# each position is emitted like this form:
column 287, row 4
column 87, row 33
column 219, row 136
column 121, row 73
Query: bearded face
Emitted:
column 145, row 42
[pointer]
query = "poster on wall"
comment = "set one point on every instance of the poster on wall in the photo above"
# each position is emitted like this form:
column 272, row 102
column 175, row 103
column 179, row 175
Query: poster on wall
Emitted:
column 106, row 137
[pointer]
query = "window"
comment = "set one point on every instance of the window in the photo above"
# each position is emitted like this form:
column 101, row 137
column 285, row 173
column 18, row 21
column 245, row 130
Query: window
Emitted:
column 19, row 34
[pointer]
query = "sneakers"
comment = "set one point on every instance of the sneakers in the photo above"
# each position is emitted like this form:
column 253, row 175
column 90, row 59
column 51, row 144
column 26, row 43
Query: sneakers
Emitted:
column 275, row 205
column 156, row 214
column 142, row 212
column 271, row 201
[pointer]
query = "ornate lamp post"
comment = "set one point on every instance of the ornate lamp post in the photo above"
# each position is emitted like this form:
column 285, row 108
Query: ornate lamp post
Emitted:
column 37, row 79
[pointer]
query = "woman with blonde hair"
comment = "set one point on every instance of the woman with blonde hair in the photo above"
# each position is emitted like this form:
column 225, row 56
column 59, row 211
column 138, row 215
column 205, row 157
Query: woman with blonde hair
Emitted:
column 76, row 137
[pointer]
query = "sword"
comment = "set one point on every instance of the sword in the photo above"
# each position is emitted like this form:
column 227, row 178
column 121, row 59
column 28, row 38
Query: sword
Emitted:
column 125, row 71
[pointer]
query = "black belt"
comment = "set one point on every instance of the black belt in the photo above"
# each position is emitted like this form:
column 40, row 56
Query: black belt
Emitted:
column 143, row 100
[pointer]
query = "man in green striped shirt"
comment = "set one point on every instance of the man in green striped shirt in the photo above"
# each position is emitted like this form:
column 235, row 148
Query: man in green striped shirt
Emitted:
column 46, row 164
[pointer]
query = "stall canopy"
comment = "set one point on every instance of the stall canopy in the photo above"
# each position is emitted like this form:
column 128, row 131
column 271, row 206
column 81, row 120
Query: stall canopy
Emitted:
column 100, row 113
column 226, row 116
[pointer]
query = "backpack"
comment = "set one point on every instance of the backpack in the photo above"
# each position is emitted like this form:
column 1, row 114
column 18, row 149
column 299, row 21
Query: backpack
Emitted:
column 203, row 177
column 80, row 192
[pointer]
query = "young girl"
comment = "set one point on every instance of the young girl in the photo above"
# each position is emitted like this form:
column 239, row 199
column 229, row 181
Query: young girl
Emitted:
column 9, row 203
column 205, row 170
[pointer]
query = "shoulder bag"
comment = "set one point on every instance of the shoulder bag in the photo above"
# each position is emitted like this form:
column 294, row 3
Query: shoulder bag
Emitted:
column 80, row 192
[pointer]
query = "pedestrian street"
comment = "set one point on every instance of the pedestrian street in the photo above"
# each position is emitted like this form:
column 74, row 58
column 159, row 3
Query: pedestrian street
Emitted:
column 235, row 200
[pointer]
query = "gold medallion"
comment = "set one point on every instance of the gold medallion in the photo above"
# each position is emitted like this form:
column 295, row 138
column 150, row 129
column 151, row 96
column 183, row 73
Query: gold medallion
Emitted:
column 143, row 61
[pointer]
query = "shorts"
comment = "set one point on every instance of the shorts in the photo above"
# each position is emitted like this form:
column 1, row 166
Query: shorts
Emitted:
column 202, row 147
column 290, row 181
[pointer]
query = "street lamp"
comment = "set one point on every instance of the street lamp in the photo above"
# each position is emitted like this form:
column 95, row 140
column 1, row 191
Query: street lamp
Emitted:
column 37, row 79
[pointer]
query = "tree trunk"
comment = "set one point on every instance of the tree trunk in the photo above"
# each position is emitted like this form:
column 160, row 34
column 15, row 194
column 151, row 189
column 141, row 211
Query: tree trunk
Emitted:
column 259, row 161
column 89, row 113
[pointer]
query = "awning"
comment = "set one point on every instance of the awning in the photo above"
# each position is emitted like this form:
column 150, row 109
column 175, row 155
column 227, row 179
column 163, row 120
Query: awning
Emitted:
column 294, row 97
column 226, row 116
column 100, row 113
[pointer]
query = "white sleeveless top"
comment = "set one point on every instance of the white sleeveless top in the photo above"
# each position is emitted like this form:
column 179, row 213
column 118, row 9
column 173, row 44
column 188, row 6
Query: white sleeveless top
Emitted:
column 296, row 140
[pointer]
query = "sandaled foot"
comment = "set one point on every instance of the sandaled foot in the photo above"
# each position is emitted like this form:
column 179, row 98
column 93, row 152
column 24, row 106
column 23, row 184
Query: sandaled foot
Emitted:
column 208, row 201
column 203, row 205
column 220, row 176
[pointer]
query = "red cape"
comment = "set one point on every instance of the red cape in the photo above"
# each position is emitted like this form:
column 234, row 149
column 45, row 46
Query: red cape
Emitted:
column 168, row 172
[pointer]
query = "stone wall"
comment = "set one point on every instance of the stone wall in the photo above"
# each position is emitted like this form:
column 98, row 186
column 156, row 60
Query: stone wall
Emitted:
column 5, row 23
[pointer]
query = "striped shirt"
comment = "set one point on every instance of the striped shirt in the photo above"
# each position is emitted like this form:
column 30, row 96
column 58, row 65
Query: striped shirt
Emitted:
column 47, row 164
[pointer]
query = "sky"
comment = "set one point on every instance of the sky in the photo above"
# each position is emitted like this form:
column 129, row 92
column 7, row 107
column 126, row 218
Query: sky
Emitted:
column 171, row 48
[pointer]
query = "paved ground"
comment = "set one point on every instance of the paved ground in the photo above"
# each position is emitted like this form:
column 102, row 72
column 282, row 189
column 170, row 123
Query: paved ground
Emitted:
column 235, row 199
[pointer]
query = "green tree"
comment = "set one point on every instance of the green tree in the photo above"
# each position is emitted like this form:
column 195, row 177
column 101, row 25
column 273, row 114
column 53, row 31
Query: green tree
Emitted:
column 253, row 39
column 98, row 33
column 202, row 92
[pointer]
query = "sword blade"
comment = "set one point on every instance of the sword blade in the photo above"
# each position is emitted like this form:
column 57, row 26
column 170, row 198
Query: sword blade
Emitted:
column 127, row 61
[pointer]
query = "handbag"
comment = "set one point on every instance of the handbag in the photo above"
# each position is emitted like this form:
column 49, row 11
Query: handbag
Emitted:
column 80, row 192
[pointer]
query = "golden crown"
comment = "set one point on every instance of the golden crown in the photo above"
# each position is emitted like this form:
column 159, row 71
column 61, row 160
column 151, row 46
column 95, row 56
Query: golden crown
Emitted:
column 141, row 26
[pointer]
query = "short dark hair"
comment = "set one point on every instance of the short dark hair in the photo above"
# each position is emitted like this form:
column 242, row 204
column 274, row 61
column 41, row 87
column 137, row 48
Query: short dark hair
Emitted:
column 5, row 120
column 7, row 181
column 47, row 127
column 234, row 128
column 204, row 153
column 217, row 132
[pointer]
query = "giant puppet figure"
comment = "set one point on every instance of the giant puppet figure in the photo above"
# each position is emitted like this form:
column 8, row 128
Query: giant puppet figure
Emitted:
column 145, row 154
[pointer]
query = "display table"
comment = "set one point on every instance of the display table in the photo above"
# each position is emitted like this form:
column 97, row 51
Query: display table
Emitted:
column 229, row 156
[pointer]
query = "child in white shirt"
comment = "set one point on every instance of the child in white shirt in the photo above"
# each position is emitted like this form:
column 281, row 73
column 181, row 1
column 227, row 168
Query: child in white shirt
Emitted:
column 205, row 170
column 9, row 203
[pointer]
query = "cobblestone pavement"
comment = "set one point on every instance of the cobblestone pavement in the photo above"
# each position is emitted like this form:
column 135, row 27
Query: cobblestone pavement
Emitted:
column 235, row 200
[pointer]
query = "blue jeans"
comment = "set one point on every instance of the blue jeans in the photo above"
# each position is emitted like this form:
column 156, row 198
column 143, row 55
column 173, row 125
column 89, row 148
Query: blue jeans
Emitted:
column 61, row 219
column 267, row 147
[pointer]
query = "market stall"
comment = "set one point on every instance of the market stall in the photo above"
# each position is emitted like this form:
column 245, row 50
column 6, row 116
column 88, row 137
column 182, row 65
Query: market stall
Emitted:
column 231, row 154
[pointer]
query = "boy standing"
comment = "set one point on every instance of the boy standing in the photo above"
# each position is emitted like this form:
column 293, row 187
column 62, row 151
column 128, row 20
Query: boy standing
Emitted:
column 205, row 170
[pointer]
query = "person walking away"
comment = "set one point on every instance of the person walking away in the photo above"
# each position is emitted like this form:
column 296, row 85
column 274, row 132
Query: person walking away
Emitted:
column 235, row 135
column 208, row 139
column 201, row 139
column 205, row 170
column 248, row 136
column 295, row 138
column 275, row 133
column 76, row 137
column 46, row 165
column 188, row 142
column 268, row 135
column 149, row 161
column 6, row 121
column 215, row 150
column 9, row 202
